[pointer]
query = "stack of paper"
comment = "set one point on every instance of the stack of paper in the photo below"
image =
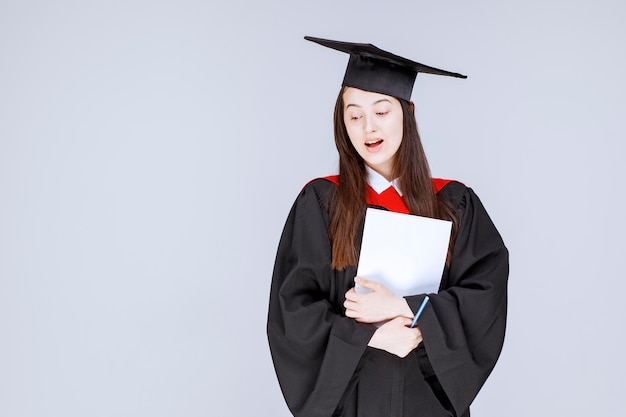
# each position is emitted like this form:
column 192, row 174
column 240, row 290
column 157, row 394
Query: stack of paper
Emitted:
column 404, row 252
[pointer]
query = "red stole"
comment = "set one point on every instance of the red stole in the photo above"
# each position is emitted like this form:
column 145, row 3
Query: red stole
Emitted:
column 390, row 199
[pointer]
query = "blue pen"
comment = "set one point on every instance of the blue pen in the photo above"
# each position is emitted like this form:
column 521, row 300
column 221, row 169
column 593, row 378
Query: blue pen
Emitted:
column 419, row 312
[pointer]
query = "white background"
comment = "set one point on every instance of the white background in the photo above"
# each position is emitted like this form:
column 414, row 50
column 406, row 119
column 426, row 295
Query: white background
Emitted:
column 150, row 152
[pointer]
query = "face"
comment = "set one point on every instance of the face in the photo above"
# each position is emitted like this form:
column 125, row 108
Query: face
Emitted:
column 374, row 123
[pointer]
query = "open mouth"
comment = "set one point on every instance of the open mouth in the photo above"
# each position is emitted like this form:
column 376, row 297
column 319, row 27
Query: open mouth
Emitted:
column 373, row 143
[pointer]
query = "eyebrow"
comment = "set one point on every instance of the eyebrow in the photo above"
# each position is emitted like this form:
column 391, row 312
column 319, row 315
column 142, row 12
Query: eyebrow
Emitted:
column 373, row 104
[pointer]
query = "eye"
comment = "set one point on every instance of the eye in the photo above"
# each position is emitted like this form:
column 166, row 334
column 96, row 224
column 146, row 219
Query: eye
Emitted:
column 382, row 113
column 355, row 117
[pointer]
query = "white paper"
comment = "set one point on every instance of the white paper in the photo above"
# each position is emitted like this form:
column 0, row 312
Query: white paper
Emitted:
column 404, row 252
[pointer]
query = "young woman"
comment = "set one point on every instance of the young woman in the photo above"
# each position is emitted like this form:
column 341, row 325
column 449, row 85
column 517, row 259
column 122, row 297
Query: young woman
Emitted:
column 330, row 357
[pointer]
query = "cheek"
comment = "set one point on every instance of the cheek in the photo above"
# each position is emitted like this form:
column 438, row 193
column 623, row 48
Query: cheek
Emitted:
column 352, row 134
column 398, row 129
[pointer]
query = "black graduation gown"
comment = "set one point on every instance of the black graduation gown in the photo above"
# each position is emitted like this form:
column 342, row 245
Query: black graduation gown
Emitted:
column 321, row 357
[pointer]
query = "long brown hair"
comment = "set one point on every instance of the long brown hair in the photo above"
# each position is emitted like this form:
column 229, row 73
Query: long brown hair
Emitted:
column 411, row 167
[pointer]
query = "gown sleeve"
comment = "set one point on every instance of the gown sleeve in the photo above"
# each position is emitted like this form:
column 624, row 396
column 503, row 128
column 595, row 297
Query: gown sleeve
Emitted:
column 463, row 325
column 315, row 348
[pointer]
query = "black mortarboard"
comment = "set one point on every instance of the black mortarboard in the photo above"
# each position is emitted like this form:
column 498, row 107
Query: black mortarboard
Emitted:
column 373, row 69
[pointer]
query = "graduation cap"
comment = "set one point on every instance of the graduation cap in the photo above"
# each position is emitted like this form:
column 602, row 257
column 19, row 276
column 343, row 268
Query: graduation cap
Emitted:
column 373, row 69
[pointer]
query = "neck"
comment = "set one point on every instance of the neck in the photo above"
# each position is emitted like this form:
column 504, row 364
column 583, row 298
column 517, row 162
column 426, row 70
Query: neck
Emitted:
column 386, row 173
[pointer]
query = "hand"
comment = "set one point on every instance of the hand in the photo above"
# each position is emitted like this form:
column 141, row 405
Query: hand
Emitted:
column 376, row 306
column 396, row 337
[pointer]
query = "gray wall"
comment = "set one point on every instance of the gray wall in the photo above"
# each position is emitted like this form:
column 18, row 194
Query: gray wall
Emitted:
column 150, row 152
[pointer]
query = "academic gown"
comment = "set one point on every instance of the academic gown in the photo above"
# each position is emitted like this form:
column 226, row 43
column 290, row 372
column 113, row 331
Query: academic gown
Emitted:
column 321, row 357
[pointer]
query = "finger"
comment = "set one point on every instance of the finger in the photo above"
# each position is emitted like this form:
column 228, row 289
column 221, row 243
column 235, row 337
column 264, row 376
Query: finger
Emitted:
column 405, row 321
column 352, row 295
column 353, row 314
column 373, row 285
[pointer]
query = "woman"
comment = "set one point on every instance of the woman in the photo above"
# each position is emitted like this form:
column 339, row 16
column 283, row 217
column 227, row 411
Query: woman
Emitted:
column 330, row 358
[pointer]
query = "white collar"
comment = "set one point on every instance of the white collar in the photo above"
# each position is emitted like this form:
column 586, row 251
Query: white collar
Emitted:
column 380, row 183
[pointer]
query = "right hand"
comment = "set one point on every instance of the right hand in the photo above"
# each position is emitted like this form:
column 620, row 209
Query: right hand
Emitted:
column 376, row 306
column 396, row 337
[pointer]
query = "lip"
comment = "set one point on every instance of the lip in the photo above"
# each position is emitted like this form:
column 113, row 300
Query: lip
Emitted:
column 376, row 144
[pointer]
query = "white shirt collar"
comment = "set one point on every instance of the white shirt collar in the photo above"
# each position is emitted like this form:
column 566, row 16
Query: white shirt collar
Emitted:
column 380, row 183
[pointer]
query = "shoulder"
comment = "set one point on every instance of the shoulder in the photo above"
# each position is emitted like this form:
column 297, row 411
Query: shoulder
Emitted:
column 322, row 183
column 318, row 191
column 464, row 200
column 330, row 179
column 459, row 195
column 455, row 192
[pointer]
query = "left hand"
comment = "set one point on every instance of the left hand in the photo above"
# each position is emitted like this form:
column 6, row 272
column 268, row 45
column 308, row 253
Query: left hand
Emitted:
column 376, row 306
column 396, row 337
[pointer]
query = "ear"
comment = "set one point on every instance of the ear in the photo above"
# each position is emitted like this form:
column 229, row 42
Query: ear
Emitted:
column 412, row 107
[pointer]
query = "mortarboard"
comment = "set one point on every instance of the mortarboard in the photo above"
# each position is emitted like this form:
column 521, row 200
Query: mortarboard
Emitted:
column 373, row 69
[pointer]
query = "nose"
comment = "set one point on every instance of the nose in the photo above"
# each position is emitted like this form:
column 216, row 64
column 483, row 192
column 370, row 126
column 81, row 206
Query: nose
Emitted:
column 370, row 124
